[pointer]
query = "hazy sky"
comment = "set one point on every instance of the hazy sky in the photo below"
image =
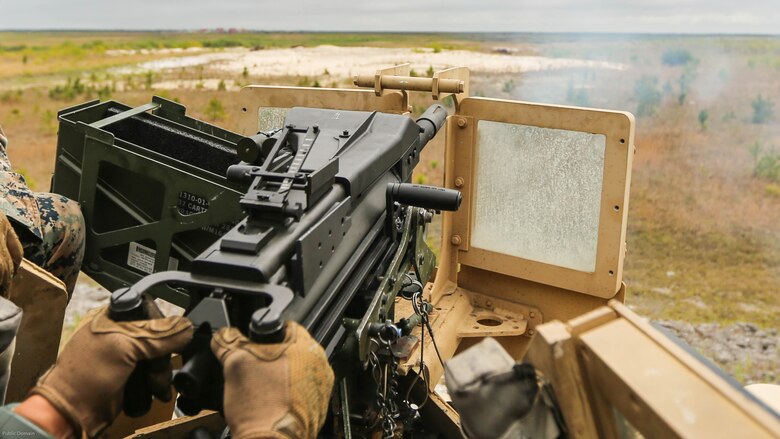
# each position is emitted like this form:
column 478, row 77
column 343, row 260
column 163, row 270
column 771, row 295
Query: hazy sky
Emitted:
column 676, row 16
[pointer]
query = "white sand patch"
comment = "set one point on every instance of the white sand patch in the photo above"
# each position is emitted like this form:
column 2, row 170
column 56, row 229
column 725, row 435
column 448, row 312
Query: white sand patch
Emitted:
column 343, row 62
column 194, row 84
column 178, row 62
column 171, row 51
column 348, row 61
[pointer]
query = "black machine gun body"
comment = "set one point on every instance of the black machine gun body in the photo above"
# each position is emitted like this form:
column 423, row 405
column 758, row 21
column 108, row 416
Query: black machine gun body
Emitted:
column 332, row 231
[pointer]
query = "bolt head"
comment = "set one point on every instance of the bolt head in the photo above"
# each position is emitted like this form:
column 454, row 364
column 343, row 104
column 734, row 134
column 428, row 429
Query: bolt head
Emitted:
column 462, row 122
column 459, row 182
column 455, row 240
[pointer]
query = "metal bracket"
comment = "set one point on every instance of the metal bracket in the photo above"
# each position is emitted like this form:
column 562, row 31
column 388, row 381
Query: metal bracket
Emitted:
column 449, row 82
column 491, row 317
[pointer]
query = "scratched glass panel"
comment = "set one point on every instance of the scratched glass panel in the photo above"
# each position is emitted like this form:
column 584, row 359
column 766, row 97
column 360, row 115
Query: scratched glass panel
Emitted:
column 271, row 118
column 538, row 193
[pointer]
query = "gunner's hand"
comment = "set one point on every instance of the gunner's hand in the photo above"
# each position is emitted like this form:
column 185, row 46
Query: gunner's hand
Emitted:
column 87, row 382
column 274, row 390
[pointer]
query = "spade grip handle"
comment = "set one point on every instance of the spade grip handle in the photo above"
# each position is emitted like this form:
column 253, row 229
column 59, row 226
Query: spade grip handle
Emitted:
column 127, row 305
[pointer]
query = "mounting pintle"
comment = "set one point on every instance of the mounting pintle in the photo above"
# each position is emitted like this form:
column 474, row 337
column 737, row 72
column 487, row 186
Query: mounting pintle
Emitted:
column 449, row 82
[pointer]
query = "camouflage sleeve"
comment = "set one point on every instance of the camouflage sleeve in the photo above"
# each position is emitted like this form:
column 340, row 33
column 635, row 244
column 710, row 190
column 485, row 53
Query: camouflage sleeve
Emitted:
column 50, row 226
column 17, row 201
column 12, row 424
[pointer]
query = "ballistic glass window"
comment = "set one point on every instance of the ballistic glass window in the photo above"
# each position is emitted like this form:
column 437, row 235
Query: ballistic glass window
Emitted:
column 538, row 193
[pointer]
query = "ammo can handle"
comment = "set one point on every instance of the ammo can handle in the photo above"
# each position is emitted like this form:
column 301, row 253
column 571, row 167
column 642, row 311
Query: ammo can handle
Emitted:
column 127, row 305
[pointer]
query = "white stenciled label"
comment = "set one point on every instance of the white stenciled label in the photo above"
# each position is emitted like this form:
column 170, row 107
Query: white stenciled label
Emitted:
column 141, row 258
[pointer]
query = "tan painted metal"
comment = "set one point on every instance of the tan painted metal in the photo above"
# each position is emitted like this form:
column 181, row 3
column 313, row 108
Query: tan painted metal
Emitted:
column 460, row 73
column 43, row 299
column 444, row 83
column 253, row 97
column 613, row 372
column 618, row 127
column 179, row 428
column 412, row 83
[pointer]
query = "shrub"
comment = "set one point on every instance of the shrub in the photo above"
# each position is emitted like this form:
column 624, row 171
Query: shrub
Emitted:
column 766, row 162
column 221, row 86
column 763, row 109
column 69, row 91
column 647, row 95
column 704, row 115
column 773, row 190
column 509, row 86
column 215, row 110
column 676, row 57
column 577, row 96
column 148, row 79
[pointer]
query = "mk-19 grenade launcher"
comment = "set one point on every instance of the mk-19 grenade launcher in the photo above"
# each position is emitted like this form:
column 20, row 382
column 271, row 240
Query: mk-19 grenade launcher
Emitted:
column 333, row 233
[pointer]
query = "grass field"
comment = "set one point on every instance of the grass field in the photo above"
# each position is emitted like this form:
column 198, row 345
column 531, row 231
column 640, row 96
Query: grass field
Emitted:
column 704, row 235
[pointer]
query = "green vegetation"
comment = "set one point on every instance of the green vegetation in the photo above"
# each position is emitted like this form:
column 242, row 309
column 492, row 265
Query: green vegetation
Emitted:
column 687, row 77
column 676, row 57
column 11, row 96
column 577, row 96
column 766, row 162
column 74, row 88
column 720, row 269
column 704, row 116
column 763, row 110
column 83, row 43
column 647, row 95
column 215, row 110
column 509, row 86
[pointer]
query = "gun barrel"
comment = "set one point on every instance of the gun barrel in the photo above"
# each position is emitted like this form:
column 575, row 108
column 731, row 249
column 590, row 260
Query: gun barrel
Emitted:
column 431, row 122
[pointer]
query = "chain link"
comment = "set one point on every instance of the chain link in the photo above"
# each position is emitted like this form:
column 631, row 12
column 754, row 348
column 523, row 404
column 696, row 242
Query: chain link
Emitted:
column 385, row 373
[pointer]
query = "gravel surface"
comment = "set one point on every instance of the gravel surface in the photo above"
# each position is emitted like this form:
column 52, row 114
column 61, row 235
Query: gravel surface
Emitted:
column 750, row 354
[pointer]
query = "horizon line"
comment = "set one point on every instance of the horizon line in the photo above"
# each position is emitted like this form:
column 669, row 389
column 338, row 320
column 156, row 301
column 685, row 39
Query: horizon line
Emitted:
column 244, row 30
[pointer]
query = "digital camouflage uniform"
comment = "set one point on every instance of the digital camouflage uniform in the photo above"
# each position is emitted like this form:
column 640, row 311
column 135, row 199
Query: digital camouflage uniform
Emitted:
column 50, row 226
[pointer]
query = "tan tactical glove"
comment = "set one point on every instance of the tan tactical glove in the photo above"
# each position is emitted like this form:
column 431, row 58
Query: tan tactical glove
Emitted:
column 87, row 382
column 11, row 254
column 274, row 390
